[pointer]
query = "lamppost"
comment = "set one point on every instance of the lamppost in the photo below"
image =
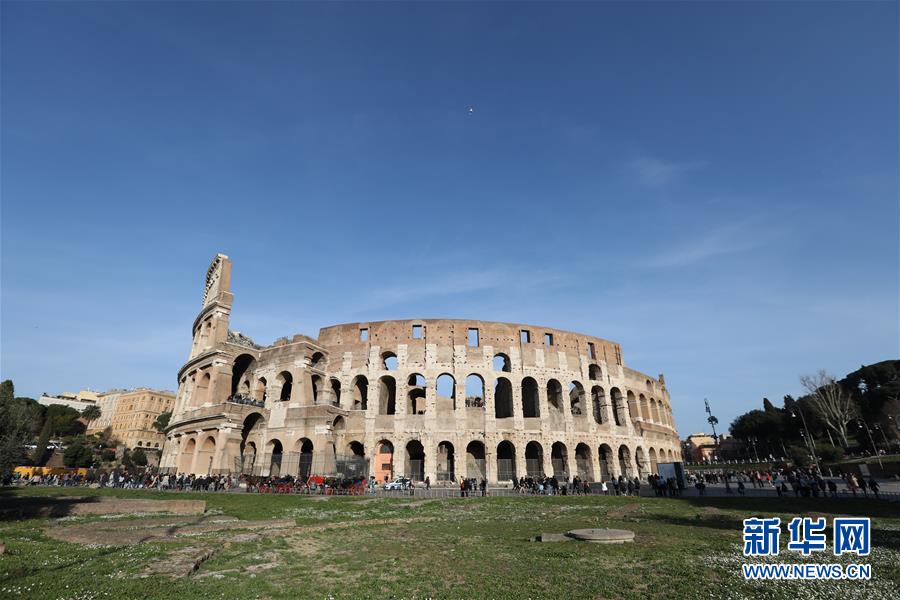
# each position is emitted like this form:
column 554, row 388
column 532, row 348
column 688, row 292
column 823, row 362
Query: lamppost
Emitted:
column 712, row 421
column 753, row 441
column 862, row 423
column 879, row 429
column 809, row 443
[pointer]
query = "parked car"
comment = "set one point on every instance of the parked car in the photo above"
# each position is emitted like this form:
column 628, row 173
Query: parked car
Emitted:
column 400, row 483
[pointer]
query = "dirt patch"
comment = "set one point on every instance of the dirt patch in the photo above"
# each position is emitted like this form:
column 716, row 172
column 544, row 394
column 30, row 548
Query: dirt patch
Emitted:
column 130, row 533
column 629, row 510
column 179, row 563
column 25, row 507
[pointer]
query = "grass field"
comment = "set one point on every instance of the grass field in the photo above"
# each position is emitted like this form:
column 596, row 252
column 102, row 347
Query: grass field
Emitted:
column 406, row 548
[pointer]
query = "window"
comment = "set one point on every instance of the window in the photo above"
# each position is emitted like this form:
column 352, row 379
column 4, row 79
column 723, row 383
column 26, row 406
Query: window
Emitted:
column 473, row 338
column 364, row 334
column 591, row 350
column 548, row 339
column 417, row 332
column 525, row 336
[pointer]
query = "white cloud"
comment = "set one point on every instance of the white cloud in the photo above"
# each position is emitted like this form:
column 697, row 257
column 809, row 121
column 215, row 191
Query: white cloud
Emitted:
column 727, row 239
column 653, row 172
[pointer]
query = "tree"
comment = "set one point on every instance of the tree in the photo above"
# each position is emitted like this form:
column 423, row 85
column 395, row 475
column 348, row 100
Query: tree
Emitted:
column 7, row 390
column 91, row 413
column 138, row 457
column 39, row 457
column 162, row 421
column 79, row 453
column 15, row 429
column 831, row 402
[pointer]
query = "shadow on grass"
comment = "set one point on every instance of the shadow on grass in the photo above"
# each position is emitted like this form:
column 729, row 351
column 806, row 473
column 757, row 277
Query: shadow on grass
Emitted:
column 16, row 506
column 792, row 505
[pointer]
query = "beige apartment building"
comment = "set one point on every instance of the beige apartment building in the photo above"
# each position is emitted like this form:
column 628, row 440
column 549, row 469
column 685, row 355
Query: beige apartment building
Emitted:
column 130, row 415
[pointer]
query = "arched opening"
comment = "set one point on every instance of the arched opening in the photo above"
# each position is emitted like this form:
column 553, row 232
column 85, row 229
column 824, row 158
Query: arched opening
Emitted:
column 654, row 410
column 317, row 361
column 501, row 363
column 503, row 401
column 259, row 393
column 446, row 392
column 645, row 407
column 474, row 391
column 316, row 382
column 576, row 399
column 276, row 451
column 598, row 403
column 360, row 388
column 356, row 449
column 559, row 460
column 415, row 460
column 241, row 372
column 617, row 407
column 201, row 394
column 445, row 462
column 584, row 462
column 384, row 461
column 554, row 394
column 339, row 424
column 506, row 461
column 287, row 385
column 475, row 460
column 389, row 361
column 387, row 395
column 625, row 461
column 654, row 465
column 641, row 462
column 253, row 428
column 336, row 391
column 187, row 456
column 606, row 458
column 534, row 460
column 594, row 373
column 305, row 448
column 531, row 406
column 415, row 396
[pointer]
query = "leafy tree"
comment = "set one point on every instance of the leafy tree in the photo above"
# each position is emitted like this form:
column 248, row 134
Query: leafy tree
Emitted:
column 108, row 455
column 39, row 457
column 64, row 420
column 79, row 453
column 127, row 461
column 162, row 421
column 828, row 453
column 7, row 390
column 15, row 429
column 91, row 413
column 138, row 457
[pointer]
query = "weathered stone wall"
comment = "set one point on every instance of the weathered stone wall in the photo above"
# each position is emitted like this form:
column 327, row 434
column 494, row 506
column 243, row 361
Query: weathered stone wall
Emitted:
column 373, row 389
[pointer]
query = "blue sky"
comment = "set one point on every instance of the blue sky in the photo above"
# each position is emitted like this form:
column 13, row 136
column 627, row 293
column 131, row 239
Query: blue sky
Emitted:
column 714, row 186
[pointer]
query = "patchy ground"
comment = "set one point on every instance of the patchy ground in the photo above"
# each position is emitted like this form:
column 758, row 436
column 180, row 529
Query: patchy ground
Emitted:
column 252, row 546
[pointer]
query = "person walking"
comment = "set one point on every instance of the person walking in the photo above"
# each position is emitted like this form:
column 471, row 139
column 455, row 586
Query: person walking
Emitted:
column 873, row 485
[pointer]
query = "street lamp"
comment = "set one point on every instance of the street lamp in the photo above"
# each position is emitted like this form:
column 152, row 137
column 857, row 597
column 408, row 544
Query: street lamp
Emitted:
column 810, row 445
column 872, row 441
column 753, row 441
column 879, row 429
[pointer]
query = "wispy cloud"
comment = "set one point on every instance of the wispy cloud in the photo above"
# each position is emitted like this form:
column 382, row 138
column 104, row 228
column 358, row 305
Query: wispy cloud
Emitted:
column 509, row 279
column 653, row 172
column 726, row 239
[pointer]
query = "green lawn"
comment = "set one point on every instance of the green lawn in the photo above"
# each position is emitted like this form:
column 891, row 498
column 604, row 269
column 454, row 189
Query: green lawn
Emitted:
column 405, row 548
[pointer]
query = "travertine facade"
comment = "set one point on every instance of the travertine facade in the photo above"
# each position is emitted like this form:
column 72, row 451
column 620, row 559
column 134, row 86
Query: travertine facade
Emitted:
column 130, row 415
column 421, row 397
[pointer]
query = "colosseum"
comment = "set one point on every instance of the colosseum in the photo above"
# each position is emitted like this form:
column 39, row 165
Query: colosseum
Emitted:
column 437, row 398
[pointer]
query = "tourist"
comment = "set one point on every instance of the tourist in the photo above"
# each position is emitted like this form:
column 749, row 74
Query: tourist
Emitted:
column 873, row 485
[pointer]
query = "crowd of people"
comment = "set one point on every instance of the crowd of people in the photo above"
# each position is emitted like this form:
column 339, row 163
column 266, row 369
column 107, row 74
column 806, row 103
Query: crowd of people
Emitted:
column 799, row 482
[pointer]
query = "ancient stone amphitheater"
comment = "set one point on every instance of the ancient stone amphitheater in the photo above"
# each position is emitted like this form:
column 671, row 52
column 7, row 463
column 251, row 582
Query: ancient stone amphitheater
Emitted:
column 435, row 398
